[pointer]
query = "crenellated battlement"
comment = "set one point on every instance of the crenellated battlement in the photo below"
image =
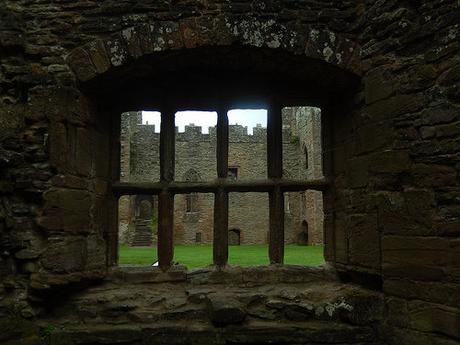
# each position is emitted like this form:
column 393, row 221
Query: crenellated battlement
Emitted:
column 192, row 133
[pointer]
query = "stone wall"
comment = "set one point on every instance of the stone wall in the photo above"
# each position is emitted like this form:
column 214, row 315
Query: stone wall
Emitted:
column 385, row 74
column 196, row 161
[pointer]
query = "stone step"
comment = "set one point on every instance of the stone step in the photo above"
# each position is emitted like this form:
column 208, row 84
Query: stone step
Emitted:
column 143, row 235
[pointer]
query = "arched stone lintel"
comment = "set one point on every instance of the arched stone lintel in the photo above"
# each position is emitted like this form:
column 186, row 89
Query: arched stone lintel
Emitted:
column 100, row 55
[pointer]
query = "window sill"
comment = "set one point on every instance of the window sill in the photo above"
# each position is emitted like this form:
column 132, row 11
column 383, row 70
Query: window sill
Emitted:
column 255, row 275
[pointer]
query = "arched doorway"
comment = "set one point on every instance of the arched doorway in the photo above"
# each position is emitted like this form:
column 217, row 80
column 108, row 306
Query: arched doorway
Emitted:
column 302, row 237
column 145, row 229
column 234, row 237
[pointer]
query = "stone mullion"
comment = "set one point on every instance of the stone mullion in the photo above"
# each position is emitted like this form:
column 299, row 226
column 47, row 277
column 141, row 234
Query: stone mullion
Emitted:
column 220, row 238
column 275, row 172
column 165, row 197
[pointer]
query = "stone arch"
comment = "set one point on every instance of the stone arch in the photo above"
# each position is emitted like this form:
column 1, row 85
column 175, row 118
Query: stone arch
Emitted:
column 101, row 55
column 143, row 206
column 144, row 229
column 104, row 66
column 145, row 209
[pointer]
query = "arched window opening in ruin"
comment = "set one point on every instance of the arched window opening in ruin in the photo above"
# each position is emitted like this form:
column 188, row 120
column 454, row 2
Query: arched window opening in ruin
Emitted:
column 191, row 202
column 234, row 237
column 302, row 238
column 305, row 152
column 137, row 221
column 193, row 222
column 268, row 148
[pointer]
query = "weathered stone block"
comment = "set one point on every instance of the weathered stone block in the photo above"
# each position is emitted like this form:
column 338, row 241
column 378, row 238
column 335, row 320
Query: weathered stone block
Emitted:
column 428, row 317
column 435, row 292
column 394, row 107
column 27, row 254
column 390, row 162
column 72, row 259
column 58, row 146
column 332, row 48
column 372, row 137
column 84, row 149
column 419, row 77
column 69, row 181
column 407, row 213
column 116, row 50
column 166, row 35
column 379, row 84
column 433, row 175
column 341, row 231
column 98, row 55
column 80, row 62
column 364, row 241
column 66, row 209
column 427, row 132
column 357, row 172
column 225, row 310
column 450, row 130
column 95, row 252
column 448, row 228
column 133, row 40
column 421, row 258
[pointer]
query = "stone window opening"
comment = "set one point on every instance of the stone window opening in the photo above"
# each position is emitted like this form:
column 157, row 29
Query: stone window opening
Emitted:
column 275, row 185
column 232, row 173
column 305, row 152
column 234, row 237
column 191, row 202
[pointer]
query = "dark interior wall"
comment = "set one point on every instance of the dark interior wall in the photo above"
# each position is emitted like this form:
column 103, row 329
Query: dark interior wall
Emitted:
column 393, row 148
column 396, row 164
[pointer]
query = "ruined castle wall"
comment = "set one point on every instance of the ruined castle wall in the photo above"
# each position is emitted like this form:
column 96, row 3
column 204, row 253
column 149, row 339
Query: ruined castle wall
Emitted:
column 196, row 154
column 126, row 204
column 397, row 168
column 392, row 212
column 305, row 123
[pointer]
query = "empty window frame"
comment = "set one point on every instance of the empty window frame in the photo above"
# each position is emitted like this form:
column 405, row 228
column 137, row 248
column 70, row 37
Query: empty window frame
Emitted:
column 191, row 202
column 232, row 173
column 275, row 185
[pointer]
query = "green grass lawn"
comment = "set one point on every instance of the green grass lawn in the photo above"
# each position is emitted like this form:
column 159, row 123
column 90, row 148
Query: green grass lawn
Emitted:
column 195, row 256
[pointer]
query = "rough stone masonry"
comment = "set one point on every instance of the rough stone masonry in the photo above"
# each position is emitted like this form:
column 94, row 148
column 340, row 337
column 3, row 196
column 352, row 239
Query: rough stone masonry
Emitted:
column 384, row 73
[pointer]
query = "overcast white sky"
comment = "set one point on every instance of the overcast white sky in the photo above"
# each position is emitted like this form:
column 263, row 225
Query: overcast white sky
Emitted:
column 245, row 117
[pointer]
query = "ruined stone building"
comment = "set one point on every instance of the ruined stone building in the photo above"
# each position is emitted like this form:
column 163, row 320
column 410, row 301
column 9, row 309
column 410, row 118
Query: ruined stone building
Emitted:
column 195, row 161
column 385, row 75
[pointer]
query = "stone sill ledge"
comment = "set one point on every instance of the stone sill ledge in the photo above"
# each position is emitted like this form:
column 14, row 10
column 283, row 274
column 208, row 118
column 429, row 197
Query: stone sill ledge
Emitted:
column 231, row 275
